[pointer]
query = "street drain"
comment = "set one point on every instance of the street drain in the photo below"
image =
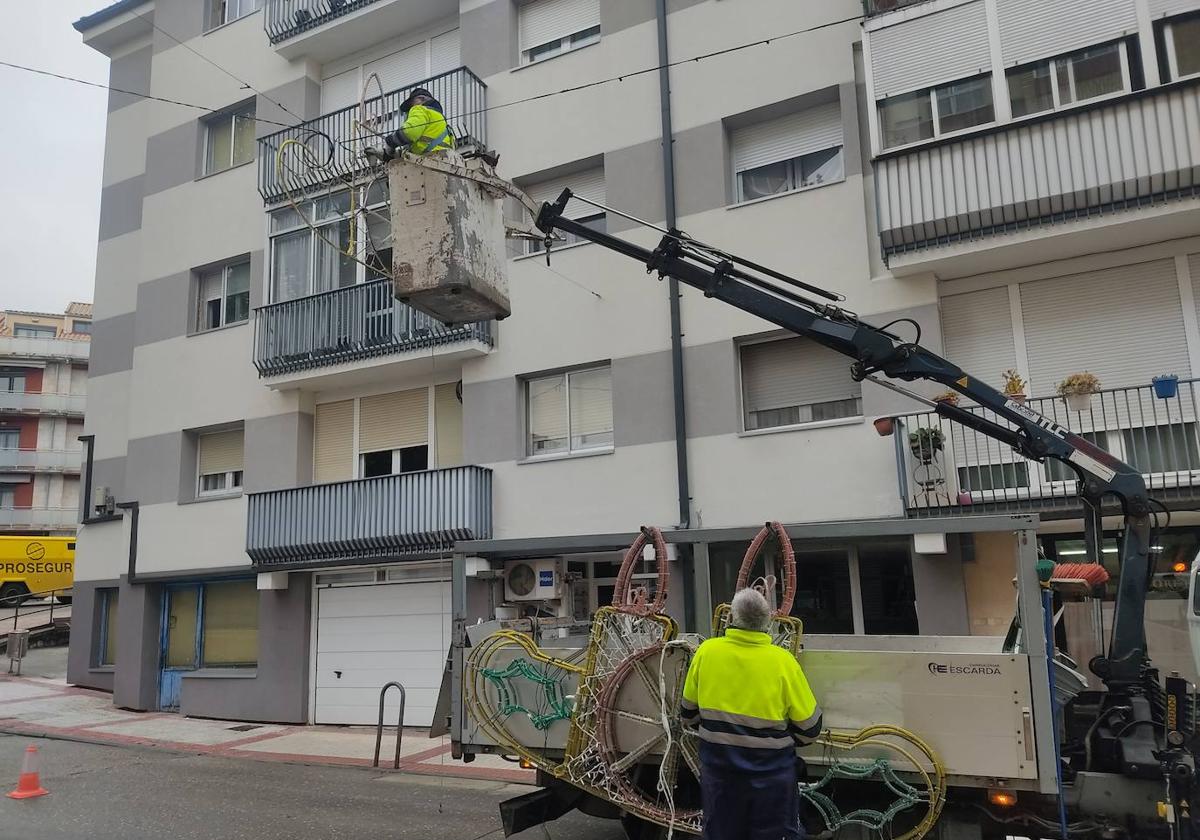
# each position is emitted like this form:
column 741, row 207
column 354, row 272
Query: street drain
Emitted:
column 245, row 727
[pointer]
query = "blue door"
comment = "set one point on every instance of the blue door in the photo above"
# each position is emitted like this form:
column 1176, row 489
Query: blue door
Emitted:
column 182, row 608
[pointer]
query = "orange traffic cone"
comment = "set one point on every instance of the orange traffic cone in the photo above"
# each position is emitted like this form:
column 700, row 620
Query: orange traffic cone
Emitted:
column 28, row 786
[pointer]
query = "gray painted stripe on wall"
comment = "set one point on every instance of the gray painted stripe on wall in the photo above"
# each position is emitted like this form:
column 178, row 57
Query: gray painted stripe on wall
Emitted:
column 163, row 308
column 643, row 405
column 301, row 97
column 121, row 207
column 153, row 468
column 173, row 157
column 616, row 15
column 279, row 452
column 129, row 72
column 184, row 19
column 109, row 472
column 112, row 345
column 492, row 421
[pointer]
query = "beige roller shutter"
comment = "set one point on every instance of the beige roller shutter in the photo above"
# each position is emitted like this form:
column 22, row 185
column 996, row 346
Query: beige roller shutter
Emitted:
column 977, row 331
column 1036, row 29
column 220, row 452
column 1194, row 271
column 787, row 137
column 447, row 414
column 931, row 49
column 333, row 449
column 794, row 371
column 589, row 184
column 392, row 421
column 543, row 21
column 591, row 405
column 547, row 409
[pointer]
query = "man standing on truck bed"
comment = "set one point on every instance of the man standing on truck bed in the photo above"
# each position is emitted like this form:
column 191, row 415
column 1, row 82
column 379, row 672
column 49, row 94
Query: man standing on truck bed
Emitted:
column 752, row 704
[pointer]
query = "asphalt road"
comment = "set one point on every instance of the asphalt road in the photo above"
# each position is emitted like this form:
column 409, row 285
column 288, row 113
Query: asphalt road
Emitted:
column 99, row 792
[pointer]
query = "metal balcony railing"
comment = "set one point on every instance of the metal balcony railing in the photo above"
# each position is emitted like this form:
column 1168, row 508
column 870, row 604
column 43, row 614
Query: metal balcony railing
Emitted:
column 945, row 467
column 393, row 515
column 357, row 322
column 42, row 403
column 39, row 518
column 32, row 347
column 878, row 7
column 1139, row 150
column 42, row 460
column 285, row 19
column 334, row 150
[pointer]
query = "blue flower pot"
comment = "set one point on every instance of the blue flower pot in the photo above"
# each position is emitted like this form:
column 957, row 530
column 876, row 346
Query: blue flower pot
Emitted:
column 1165, row 387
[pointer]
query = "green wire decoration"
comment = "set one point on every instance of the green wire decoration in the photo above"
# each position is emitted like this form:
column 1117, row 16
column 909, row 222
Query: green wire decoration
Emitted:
column 907, row 795
column 559, row 703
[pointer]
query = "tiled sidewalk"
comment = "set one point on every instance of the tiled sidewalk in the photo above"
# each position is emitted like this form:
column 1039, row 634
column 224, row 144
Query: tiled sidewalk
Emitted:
column 39, row 706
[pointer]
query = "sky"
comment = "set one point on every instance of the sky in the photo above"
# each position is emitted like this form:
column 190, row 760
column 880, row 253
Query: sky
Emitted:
column 51, row 155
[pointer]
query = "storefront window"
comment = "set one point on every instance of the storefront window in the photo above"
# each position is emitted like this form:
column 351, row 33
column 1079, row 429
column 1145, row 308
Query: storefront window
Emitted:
column 231, row 624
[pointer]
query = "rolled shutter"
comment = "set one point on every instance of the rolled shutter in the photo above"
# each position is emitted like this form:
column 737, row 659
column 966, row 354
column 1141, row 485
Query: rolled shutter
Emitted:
column 589, row 184
column 342, row 91
column 977, row 331
column 445, row 53
column 1194, row 271
column 1036, row 29
column 333, row 456
column 547, row 408
column 930, row 50
column 1072, row 323
column 543, row 21
column 591, row 402
column 398, row 70
column 220, row 452
column 448, row 419
column 1164, row 8
column 787, row 137
column 393, row 421
column 794, row 372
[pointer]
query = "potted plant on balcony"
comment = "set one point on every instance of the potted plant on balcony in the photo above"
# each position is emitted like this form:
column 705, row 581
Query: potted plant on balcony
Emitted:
column 950, row 397
column 884, row 426
column 1077, row 390
column 925, row 442
column 1014, row 386
column 1165, row 386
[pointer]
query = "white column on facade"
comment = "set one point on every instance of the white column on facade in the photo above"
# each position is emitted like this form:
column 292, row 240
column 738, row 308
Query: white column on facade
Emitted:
column 1018, row 328
column 856, row 605
column 1146, row 42
column 872, row 111
column 431, row 426
column 1191, row 324
column 1003, row 107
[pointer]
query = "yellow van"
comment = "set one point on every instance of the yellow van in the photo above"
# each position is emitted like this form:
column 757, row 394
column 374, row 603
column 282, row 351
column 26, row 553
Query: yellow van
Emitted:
column 34, row 565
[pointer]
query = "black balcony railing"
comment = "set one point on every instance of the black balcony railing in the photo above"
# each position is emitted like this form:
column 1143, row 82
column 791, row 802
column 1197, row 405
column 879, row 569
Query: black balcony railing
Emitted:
column 945, row 467
column 357, row 322
column 878, row 7
column 285, row 19
column 333, row 143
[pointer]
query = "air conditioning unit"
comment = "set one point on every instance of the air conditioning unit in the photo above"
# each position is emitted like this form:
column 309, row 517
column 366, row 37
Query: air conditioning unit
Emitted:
column 103, row 502
column 532, row 580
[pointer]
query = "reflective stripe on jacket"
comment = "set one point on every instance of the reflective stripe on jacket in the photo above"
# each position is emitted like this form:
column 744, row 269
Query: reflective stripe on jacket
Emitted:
column 751, row 701
column 426, row 130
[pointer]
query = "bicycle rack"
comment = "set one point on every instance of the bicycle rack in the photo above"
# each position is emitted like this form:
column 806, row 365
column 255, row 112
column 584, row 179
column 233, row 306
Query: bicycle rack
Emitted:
column 399, row 725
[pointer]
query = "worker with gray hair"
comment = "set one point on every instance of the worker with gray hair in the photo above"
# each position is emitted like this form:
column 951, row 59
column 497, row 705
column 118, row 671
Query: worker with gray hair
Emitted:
column 752, row 705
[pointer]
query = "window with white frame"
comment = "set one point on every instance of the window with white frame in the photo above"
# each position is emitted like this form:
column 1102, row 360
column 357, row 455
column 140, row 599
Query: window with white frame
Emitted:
column 12, row 380
column 34, row 331
column 8, row 496
column 587, row 184
column 936, row 111
column 221, row 12
column 1068, row 79
column 552, row 27
column 393, row 433
column 794, row 381
column 1181, row 38
column 10, row 438
column 229, row 139
column 569, row 412
column 224, row 296
column 219, row 457
column 792, row 152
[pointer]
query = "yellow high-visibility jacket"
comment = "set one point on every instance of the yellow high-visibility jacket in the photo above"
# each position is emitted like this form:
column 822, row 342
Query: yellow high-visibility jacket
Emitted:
column 751, row 702
column 426, row 130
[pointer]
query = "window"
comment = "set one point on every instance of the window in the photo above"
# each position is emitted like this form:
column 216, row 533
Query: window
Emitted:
column 933, row 112
column 229, row 140
column 1182, row 39
column 12, row 381
column 221, row 12
column 8, row 497
column 106, row 641
column 219, row 463
column 10, row 438
column 31, row 331
column 82, row 327
column 1066, row 80
column 588, row 184
column 569, row 412
column 792, row 152
column 793, row 381
column 224, row 296
column 229, row 634
column 990, row 477
column 393, row 461
column 553, row 27
column 1162, row 449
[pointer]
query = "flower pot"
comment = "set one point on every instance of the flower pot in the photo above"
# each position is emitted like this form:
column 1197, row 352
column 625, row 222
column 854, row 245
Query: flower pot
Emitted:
column 964, row 497
column 1017, row 398
column 1078, row 402
column 1165, row 387
column 885, row 426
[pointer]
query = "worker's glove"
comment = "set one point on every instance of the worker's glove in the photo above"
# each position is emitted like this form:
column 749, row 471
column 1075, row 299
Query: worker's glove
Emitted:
column 395, row 141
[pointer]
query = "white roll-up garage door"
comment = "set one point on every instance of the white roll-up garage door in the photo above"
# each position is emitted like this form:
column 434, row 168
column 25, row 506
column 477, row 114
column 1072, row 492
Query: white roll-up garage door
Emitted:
column 372, row 634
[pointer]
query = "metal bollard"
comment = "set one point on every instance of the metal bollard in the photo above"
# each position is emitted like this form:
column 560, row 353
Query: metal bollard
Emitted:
column 399, row 725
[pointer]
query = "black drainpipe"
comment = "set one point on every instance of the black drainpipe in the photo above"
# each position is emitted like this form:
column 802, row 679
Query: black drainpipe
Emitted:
column 134, row 511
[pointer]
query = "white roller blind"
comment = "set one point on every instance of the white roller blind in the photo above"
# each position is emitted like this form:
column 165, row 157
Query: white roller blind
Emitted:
column 400, row 69
column 1034, row 29
column 591, row 402
column 931, row 49
column 1194, row 271
column 1123, row 324
column 341, row 91
column 794, row 371
column 392, row 421
column 448, row 417
column 547, row 407
column 333, row 445
column 588, row 184
column 543, row 21
column 787, row 137
column 977, row 330
column 1162, row 8
column 445, row 53
column 220, row 452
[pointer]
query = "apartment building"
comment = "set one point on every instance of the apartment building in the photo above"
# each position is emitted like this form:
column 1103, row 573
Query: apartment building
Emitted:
column 43, row 389
column 291, row 454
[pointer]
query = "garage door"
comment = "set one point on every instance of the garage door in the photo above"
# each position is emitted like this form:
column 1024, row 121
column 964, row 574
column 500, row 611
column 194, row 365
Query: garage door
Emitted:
column 372, row 634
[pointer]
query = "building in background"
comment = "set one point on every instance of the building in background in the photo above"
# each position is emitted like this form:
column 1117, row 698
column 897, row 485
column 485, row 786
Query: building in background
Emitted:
column 43, row 391
column 303, row 451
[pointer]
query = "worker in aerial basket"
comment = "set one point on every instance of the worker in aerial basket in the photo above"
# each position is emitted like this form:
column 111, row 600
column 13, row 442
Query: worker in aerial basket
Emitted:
column 425, row 130
column 752, row 704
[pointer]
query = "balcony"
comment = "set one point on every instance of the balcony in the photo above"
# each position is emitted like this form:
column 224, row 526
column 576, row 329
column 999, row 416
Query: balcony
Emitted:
column 31, row 347
column 39, row 519
column 333, row 150
column 970, row 473
column 871, row 8
column 42, row 403
column 358, row 328
column 327, row 29
column 967, row 199
column 371, row 518
column 41, row 460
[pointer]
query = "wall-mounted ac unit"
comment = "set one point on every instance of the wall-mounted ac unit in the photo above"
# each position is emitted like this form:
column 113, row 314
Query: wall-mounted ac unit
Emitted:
column 532, row 580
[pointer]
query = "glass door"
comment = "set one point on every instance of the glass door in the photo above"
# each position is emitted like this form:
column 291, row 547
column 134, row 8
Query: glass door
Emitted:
column 180, row 642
